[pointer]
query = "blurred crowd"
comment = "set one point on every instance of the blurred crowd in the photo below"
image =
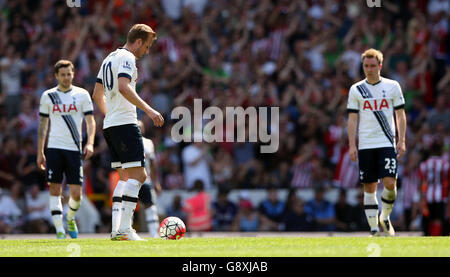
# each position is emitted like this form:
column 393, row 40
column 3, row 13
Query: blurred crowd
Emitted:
column 301, row 56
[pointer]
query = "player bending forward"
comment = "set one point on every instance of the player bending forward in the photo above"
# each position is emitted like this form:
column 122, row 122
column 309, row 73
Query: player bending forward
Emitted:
column 64, row 106
column 374, row 101
column 115, row 95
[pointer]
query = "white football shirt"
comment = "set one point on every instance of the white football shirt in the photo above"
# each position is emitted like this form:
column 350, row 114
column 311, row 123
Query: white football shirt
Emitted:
column 66, row 111
column 376, row 104
column 120, row 63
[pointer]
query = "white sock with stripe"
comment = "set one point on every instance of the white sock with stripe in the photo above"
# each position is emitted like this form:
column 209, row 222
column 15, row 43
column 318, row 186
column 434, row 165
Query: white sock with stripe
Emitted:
column 117, row 205
column 151, row 217
column 387, row 202
column 73, row 208
column 371, row 209
column 56, row 209
column 129, row 202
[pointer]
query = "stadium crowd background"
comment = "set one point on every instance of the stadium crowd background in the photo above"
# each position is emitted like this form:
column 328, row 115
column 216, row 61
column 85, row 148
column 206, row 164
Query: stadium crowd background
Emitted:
column 299, row 55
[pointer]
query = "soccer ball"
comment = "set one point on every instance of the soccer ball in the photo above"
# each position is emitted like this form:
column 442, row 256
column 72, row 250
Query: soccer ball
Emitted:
column 172, row 228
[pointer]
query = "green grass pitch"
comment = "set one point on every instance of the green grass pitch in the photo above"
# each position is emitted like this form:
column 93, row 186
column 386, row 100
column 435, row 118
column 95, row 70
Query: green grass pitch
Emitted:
column 232, row 247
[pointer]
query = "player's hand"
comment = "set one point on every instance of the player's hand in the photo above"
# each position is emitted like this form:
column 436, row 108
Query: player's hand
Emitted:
column 88, row 151
column 353, row 152
column 157, row 118
column 40, row 161
column 401, row 149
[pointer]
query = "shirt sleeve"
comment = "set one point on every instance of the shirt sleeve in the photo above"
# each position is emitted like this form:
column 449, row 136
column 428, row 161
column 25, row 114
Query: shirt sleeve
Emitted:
column 126, row 67
column 399, row 100
column 100, row 76
column 44, row 106
column 353, row 103
column 88, row 108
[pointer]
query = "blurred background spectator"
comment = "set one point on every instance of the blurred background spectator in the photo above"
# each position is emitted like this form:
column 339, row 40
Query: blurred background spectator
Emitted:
column 224, row 212
column 271, row 211
column 301, row 56
column 198, row 209
column 247, row 219
column 322, row 211
column 38, row 214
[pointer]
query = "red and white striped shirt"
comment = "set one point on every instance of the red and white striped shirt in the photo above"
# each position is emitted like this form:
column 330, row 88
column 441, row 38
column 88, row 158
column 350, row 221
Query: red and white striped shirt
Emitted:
column 347, row 172
column 434, row 176
column 410, row 187
column 301, row 175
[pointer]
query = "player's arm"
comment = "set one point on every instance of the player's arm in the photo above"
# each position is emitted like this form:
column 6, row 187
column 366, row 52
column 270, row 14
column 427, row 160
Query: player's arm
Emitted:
column 352, row 124
column 42, row 135
column 90, row 129
column 130, row 94
column 99, row 97
column 401, row 126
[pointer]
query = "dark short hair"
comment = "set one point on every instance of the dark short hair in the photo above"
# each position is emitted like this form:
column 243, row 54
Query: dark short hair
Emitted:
column 436, row 148
column 63, row 63
column 140, row 31
column 198, row 185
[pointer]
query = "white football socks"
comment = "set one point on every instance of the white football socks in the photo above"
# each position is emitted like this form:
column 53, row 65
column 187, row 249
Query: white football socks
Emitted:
column 387, row 202
column 151, row 217
column 371, row 209
column 73, row 208
column 129, row 202
column 117, row 205
column 56, row 209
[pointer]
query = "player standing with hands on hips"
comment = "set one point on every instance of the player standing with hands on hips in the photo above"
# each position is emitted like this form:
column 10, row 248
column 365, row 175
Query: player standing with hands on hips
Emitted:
column 115, row 95
column 64, row 106
column 374, row 101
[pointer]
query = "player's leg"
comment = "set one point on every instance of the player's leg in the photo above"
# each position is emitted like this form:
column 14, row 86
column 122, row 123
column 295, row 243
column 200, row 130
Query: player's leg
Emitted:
column 56, row 209
column 137, row 176
column 74, row 205
column 74, row 174
column 388, row 197
column 388, row 173
column 371, row 206
column 130, row 150
column 54, row 179
column 369, row 178
column 147, row 197
column 111, row 140
column 117, row 200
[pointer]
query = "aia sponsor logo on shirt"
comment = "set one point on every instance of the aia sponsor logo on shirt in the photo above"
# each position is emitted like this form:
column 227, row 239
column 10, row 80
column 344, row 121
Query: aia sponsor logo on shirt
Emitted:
column 64, row 108
column 375, row 104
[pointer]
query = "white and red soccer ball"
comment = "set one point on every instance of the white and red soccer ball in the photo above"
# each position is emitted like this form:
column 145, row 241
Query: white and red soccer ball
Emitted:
column 172, row 228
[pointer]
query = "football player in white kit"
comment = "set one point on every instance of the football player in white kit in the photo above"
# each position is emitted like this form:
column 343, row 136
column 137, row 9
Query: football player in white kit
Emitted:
column 64, row 106
column 374, row 101
column 115, row 95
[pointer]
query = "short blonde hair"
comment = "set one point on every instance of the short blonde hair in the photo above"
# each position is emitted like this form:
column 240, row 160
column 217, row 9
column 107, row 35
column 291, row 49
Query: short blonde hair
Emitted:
column 372, row 53
column 140, row 31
